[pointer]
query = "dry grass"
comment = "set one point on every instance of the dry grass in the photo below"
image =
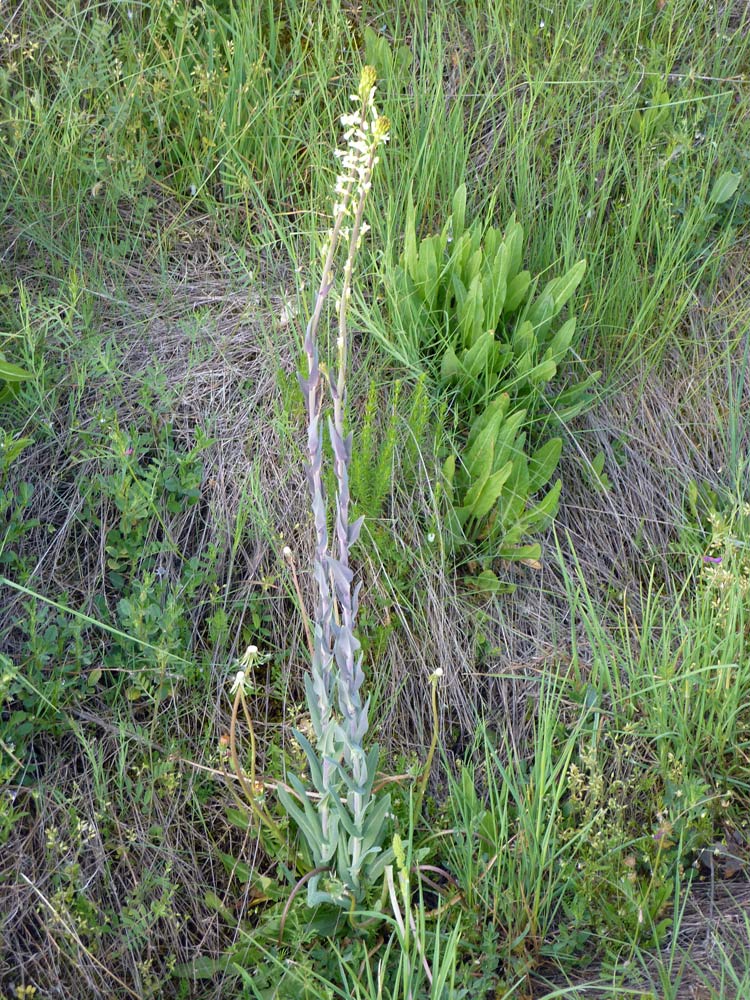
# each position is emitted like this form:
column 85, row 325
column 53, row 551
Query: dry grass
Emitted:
column 49, row 853
column 714, row 936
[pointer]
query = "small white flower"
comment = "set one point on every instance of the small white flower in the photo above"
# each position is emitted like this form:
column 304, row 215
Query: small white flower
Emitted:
column 238, row 683
column 248, row 658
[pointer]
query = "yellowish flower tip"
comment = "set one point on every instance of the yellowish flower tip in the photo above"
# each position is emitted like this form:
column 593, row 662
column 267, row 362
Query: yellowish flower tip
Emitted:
column 381, row 128
column 366, row 83
column 398, row 852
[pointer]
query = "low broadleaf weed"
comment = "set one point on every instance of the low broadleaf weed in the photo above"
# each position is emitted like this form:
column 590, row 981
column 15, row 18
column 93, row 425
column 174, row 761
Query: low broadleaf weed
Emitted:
column 490, row 484
column 469, row 317
column 467, row 313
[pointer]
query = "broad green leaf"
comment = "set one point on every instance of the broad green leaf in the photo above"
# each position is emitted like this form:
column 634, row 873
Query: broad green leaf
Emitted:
column 476, row 361
column 543, row 463
column 601, row 480
column 475, row 487
column 378, row 53
column 495, row 286
column 239, row 869
column 518, row 286
column 487, row 582
column 476, row 238
column 450, row 367
column 563, row 287
column 522, row 339
column 204, row 967
column 402, row 60
column 574, row 400
column 463, row 516
column 512, row 535
column 514, row 242
column 524, row 365
column 492, row 244
column 512, row 553
column 508, row 442
column 474, row 266
column 479, row 458
column 543, row 309
column 488, row 496
column 12, row 373
column 459, row 291
column 724, row 187
column 238, row 817
column 515, row 494
column 489, row 415
column 543, row 372
column 503, row 355
column 459, row 211
column 543, row 514
column 478, row 462
column 429, row 268
column 12, row 449
column 462, row 251
column 449, row 469
column 561, row 341
column 471, row 314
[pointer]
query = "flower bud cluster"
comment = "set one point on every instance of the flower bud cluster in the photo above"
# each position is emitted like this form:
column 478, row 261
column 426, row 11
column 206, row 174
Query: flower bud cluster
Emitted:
column 365, row 130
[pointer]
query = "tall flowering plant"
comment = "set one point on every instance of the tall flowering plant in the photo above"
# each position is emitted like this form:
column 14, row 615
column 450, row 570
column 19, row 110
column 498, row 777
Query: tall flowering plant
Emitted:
column 341, row 818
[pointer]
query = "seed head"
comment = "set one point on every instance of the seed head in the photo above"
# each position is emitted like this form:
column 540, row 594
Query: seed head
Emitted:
column 238, row 683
